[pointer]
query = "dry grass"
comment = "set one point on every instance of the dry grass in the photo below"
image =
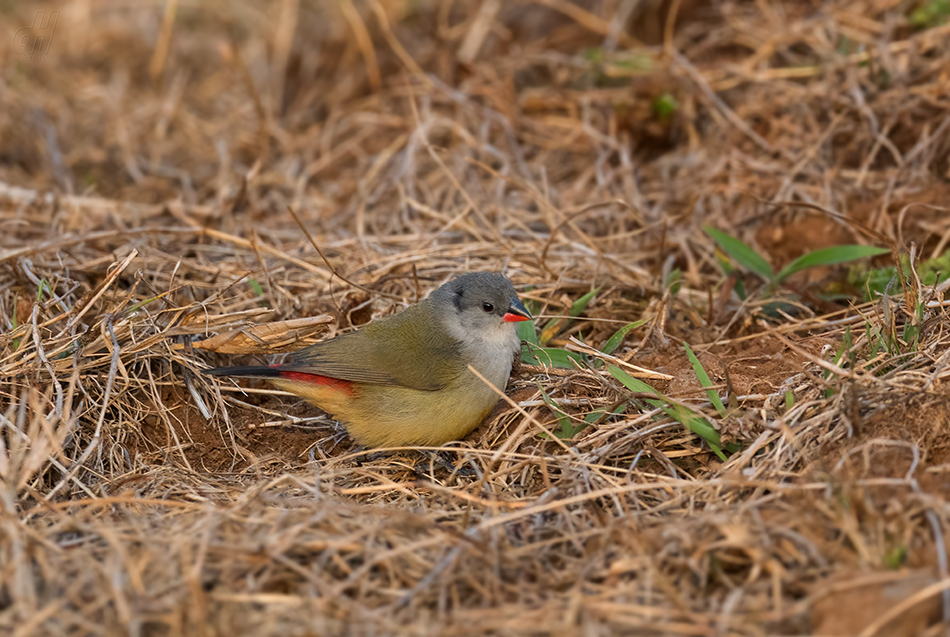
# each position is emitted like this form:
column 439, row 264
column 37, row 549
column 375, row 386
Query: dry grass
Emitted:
column 145, row 174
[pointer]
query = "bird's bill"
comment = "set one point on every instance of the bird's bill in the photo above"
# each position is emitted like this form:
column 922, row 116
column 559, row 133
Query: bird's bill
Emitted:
column 517, row 312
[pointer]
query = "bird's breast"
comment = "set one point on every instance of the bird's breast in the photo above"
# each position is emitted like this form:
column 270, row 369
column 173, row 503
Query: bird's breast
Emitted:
column 493, row 362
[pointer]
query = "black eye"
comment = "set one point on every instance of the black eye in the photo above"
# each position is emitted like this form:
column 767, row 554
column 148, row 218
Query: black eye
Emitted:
column 488, row 307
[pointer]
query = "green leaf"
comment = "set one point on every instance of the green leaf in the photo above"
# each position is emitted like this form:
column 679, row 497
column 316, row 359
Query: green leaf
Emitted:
column 665, row 105
column 674, row 281
column 581, row 304
column 707, row 384
column 685, row 416
column 910, row 334
column 550, row 356
column 724, row 262
column 740, row 289
column 631, row 383
column 255, row 286
column 895, row 558
column 745, row 255
column 527, row 332
column 829, row 256
column 617, row 339
column 698, row 425
column 930, row 13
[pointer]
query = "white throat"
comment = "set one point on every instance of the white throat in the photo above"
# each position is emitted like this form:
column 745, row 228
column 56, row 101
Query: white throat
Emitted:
column 490, row 351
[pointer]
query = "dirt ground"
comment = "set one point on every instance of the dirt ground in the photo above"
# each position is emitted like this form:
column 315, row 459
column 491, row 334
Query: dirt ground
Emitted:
column 153, row 156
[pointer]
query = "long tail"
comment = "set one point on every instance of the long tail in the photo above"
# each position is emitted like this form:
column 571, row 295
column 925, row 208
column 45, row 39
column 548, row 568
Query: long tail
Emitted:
column 255, row 372
column 306, row 378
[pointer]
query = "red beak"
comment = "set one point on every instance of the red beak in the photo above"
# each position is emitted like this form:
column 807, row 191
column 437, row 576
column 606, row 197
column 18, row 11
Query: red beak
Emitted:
column 516, row 313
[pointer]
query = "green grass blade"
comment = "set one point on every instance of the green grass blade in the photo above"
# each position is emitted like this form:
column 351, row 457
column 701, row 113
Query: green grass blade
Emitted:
column 628, row 381
column 255, row 286
column 674, row 281
column 581, row 304
column 829, row 256
column 698, row 425
column 550, row 356
column 742, row 253
column 527, row 332
column 615, row 341
column 707, row 384
column 685, row 416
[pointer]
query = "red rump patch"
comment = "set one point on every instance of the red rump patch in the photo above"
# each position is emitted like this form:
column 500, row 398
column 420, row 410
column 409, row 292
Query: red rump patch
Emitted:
column 344, row 386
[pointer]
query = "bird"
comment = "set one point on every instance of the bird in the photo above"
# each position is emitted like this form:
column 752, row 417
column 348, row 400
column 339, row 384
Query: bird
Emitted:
column 405, row 380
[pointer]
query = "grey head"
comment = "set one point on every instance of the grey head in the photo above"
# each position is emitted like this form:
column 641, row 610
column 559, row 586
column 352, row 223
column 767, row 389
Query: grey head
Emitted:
column 481, row 309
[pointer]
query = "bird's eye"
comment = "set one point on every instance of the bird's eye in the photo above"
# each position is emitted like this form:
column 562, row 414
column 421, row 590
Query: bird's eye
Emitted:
column 488, row 307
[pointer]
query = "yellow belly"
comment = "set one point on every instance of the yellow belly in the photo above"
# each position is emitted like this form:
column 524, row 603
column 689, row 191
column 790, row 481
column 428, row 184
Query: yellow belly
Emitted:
column 387, row 416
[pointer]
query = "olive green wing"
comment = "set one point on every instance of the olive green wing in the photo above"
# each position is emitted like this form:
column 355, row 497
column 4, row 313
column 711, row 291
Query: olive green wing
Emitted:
column 411, row 349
